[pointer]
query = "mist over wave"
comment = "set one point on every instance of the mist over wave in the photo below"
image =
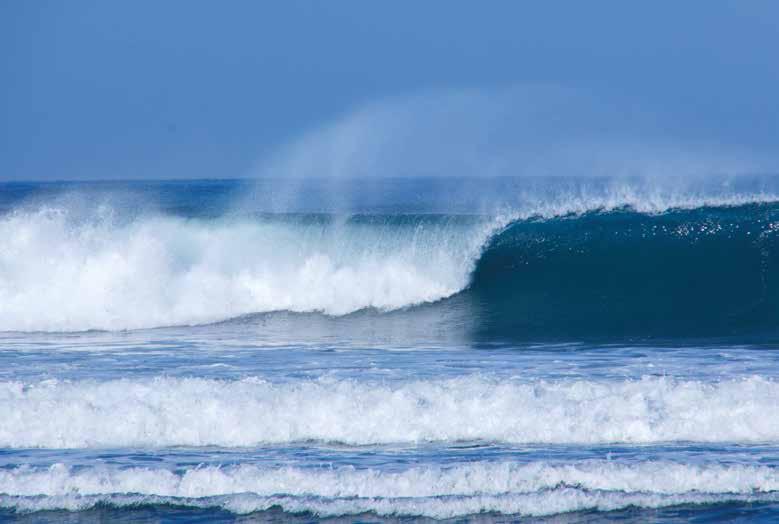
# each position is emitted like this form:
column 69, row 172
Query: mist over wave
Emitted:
column 520, row 131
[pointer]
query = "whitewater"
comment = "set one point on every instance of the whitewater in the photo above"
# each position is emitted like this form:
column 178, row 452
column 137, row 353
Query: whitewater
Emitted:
column 586, row 347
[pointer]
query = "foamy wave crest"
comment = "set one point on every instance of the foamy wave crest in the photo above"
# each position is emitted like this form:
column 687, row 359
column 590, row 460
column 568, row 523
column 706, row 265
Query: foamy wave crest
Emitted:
column 643, row 198
column 61, row 274
column 200, row 412
column 527, row 489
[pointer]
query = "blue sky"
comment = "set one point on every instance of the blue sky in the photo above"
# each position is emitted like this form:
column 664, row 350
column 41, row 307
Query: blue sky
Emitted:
column 181, row 89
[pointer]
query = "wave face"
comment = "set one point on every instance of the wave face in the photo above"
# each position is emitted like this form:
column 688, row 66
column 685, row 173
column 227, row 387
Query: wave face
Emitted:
column 204, row 412
column 533, row 489
column 703, row 271
column 616, row 261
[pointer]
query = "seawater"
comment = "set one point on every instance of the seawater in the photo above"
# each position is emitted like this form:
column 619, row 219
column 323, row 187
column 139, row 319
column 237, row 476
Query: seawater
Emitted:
column 559, row 349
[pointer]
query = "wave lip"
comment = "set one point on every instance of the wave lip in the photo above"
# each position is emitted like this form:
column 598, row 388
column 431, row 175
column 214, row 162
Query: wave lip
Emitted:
column 527, row 489
column 199, row 412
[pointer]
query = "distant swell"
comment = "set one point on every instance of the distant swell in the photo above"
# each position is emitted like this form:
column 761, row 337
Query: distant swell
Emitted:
column 438, row 492
column 199, row 412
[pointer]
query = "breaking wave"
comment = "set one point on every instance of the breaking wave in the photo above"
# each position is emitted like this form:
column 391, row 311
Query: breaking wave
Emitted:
column 531, row 489
column 623, row 262
column 199, row 412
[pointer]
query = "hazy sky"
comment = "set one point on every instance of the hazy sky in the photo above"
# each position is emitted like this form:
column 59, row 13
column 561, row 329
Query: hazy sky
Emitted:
column 177, row 89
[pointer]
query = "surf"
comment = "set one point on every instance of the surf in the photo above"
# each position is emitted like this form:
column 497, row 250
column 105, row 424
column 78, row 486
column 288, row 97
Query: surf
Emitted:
column 162, row 412
column 532, row 489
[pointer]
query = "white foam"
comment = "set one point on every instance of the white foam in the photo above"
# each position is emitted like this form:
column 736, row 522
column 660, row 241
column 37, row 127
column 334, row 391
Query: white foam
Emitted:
column 155, row 271
column 537, row 488
column 252, row 411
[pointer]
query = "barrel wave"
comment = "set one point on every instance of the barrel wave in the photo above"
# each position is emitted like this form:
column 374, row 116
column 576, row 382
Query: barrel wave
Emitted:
column 704, row 271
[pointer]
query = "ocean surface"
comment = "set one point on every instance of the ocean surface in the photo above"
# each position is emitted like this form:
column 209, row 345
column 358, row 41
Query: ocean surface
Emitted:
column 390, row 350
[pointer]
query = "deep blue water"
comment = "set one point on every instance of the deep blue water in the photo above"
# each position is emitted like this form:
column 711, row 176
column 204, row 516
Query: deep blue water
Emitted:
column 565, row 350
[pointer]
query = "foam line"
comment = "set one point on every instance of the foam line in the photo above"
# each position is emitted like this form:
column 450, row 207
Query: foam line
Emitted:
column 199, row 412
column 529, row 489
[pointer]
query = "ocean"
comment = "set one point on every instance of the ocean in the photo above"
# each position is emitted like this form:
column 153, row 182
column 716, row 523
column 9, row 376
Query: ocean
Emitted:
column 553, row 349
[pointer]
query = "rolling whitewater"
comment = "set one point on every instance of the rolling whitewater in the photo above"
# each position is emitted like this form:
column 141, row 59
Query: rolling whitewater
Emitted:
column 385, row 349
